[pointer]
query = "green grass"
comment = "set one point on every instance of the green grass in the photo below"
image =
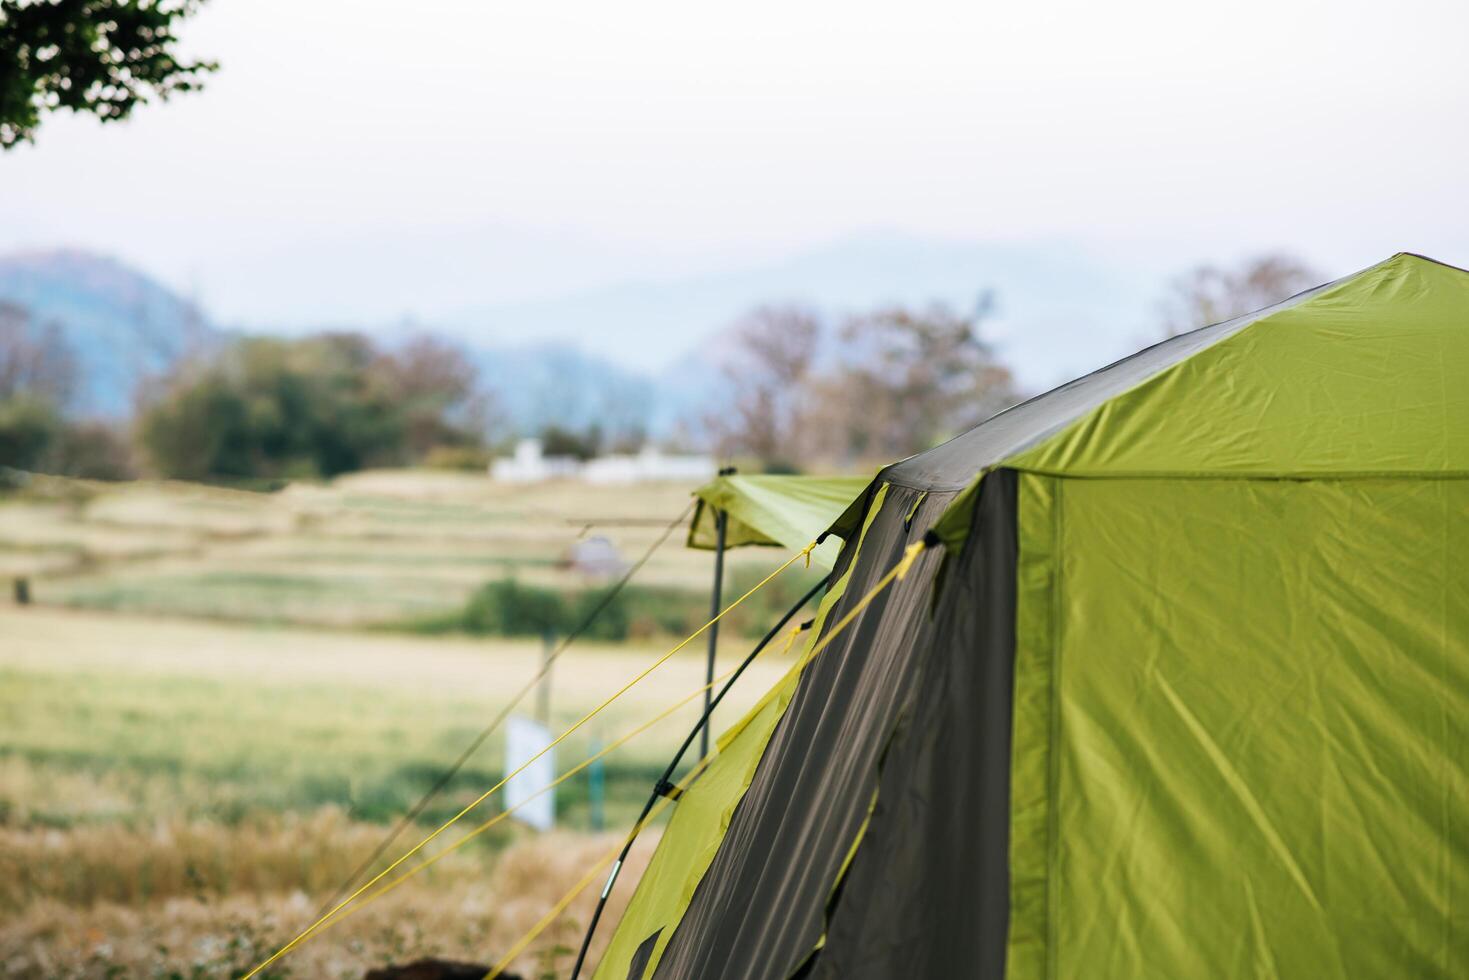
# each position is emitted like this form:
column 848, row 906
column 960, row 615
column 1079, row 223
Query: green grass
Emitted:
column 258, row 596
column 195, row 748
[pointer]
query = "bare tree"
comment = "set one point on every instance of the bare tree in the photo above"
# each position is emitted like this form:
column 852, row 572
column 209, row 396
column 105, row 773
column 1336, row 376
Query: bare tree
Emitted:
column 910, row 379
column 35, row 359
column 775, row 351
column 436, row 387
column 887, row 384
column 1209, row 294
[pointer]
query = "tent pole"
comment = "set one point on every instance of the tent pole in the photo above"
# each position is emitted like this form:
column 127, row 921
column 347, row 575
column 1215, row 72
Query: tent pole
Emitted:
column 721, row 521
column 663, row 785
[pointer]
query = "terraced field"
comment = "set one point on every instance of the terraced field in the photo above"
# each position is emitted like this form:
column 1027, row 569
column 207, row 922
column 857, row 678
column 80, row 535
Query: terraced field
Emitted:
column 215, row 704
column 367, row 550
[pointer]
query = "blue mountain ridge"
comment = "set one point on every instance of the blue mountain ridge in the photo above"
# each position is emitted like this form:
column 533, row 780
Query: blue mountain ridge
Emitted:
column 639, row 356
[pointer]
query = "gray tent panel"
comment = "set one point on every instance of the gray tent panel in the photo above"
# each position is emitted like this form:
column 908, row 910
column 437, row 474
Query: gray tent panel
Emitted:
column 760, row 909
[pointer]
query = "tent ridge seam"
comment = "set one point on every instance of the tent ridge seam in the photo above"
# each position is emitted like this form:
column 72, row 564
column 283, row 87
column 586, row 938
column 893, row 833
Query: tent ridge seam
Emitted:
column 1222, row 476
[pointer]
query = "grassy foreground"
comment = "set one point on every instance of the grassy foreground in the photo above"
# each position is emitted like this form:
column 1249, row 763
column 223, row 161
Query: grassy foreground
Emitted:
column 176, row 796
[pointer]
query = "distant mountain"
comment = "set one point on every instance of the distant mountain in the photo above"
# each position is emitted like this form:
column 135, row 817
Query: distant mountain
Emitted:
column 1061, row 310
column 645, row 355
column 123, row 326
column 542, row 385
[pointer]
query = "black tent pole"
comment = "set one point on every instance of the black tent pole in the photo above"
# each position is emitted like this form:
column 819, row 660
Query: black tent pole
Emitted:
column 664, row 786
column 721, row 521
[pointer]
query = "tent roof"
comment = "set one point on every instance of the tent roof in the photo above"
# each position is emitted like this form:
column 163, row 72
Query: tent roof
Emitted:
column 1361, row 376
column 788, row 511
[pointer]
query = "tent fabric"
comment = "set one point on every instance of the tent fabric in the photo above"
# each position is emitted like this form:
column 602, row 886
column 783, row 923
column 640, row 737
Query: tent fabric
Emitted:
column 1363, row 376
column 763, row 917
column 926, row 896
column 703, row 813
column 766, row 509
column 954, row 464
column 1191, row 698
column 1366, row 378
column 1242, row 729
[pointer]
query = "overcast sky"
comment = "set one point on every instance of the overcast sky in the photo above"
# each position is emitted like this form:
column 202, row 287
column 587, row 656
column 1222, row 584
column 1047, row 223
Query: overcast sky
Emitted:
column 365, row 158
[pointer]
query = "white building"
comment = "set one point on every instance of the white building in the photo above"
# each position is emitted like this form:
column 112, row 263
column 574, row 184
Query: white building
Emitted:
column 529, row 464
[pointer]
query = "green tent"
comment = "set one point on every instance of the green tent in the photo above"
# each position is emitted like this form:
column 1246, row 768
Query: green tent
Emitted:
column 765, row 509
column 1184, row 693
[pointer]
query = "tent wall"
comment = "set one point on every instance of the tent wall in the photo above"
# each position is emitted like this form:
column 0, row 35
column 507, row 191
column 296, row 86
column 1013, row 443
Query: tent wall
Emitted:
column 1236, row 628
column 927, row 894
column 760, row 910
column 703, row 811
column 1367, row 378
column 1241, row 729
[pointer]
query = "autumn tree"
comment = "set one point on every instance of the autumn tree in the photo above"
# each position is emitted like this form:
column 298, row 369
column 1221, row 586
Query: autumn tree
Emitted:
column 1210, row 294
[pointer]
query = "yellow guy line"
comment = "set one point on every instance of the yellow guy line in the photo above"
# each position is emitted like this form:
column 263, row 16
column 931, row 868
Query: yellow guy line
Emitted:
column 897, row 573
column 423, row 865
column 805, row 552
column 596, row 870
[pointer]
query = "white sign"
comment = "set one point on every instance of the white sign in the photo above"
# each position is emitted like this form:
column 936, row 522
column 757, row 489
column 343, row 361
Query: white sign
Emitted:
column 523, row 739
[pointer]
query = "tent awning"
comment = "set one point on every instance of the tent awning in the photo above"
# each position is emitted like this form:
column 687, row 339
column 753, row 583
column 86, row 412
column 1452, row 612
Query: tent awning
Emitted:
column 786, row 511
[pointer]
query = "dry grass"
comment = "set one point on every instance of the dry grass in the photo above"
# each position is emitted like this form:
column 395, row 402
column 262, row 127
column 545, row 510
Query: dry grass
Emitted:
column 186, row 776
column 209, row 901
column 173, row 793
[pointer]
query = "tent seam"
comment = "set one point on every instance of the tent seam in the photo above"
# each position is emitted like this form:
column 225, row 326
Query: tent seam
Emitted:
column 1406, row 476
column 1053, row 735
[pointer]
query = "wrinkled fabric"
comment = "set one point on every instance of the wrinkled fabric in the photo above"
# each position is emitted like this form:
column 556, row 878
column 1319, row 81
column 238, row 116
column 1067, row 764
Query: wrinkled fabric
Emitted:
column 1242, row 729
column 926, row 894
column 703, row 812
column 1239, row 686
column 1368, row 377
column 759, row 910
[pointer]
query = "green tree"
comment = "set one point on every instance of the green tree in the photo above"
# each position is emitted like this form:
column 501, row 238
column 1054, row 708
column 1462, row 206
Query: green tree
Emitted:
column 272, row 408
column 103, row 57
column 29, row 428
column 319, row 406
column 557, row 441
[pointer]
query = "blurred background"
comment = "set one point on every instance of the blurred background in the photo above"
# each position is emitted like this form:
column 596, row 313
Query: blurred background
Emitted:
column 351, row 352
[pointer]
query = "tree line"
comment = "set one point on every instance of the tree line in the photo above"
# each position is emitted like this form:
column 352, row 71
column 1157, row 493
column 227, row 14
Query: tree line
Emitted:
column 799, row 390
column 257, row 408
column 875, row 386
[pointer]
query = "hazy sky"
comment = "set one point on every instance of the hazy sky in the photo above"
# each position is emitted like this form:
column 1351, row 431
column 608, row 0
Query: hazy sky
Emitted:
column 367, row 159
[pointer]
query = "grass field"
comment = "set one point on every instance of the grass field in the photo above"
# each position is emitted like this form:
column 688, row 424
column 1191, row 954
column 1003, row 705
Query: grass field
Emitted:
column 204, row 725
column 369, row 549
column 215, row 779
